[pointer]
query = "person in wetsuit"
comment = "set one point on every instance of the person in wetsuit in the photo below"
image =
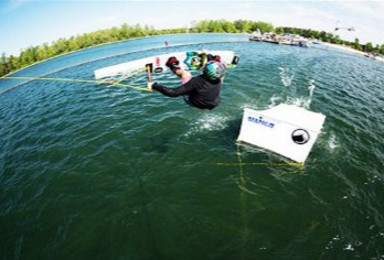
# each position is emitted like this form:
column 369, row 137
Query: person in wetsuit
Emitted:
column 202, row 91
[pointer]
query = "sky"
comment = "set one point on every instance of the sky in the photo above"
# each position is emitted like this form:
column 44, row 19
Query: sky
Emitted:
column 26, row 23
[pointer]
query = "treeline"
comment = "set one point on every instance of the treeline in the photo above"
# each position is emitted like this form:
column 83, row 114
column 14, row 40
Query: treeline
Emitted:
column 246, row 26
column 239, row 26
column 38, row 53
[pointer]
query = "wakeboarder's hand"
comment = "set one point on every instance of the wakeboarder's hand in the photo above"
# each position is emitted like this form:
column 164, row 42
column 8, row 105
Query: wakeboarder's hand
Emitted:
column 149, row 86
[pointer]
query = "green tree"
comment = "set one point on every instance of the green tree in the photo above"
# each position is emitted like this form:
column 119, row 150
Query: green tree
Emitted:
column 202, row 26
column 242, row 25
column 262, row 26
column 356, row 45
column 368, row 47
column 215, row 26
column 280, row 30
column 3, row 64
column 336, row 40
column 229, row 27
column 382, row 49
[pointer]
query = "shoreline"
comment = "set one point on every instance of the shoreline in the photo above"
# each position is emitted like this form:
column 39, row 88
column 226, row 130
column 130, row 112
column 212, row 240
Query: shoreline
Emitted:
column 350, row 50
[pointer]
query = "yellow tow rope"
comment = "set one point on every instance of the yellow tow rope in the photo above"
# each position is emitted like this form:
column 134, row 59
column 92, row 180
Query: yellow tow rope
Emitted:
column 98, row 82
column 257, row 163
column 240, row 162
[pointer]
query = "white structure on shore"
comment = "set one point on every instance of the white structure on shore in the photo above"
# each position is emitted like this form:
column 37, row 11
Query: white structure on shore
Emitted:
column 288, row 38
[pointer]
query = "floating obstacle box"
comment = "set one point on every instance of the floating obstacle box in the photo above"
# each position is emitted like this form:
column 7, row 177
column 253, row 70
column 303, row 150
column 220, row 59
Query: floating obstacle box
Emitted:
column 287, row 130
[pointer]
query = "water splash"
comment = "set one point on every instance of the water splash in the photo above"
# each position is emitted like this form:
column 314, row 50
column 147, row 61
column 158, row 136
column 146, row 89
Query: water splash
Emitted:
column 333, row 143
column 286, row 76
column 349, row 248
column 299, row 101
column 304, row 101
column 212, row 122
column 311, row 88
column 274, row 101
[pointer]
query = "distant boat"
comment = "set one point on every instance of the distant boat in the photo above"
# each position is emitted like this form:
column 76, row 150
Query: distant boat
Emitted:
column 271, row 38
column 293, row 39
column 288, row 39
column 374, row 56
column 256, row 36
column 264, row 37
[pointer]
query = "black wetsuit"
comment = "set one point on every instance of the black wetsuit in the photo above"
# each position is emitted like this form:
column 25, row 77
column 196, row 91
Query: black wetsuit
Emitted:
column 202, row 93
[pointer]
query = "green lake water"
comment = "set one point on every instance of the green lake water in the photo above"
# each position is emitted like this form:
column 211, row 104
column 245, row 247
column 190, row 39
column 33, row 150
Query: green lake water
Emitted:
column 105, row 172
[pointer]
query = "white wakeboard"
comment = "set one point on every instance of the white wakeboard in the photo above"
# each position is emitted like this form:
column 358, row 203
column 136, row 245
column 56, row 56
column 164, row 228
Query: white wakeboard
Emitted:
column 288, row 130
column 188, row 61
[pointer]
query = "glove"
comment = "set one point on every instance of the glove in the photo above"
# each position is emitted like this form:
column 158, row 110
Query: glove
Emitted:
column 172, row 61
column 154, row 86
column 213, row 57
column 149, row 86
column 173, row 64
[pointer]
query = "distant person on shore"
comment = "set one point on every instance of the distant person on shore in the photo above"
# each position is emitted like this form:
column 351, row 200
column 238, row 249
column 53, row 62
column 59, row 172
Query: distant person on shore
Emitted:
column 202, row 91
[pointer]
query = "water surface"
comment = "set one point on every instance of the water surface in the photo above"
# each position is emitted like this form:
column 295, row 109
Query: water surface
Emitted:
column 106, row 172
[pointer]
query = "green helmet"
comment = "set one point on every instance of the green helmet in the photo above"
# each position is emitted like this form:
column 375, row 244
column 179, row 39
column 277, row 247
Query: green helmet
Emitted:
column 214, row 70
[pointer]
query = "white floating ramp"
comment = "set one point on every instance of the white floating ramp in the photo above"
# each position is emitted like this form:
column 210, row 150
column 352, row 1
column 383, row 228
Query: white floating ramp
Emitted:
column 284, row 129
column 157, row 63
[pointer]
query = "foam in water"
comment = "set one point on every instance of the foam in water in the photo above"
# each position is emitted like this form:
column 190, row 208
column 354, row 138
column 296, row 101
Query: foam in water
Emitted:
column 286, row 76
column 212, row 122
column 311, row 88
column 304, row 102
column 299, row 101
column 332, row 142
column 349, row 247
column 275, row 100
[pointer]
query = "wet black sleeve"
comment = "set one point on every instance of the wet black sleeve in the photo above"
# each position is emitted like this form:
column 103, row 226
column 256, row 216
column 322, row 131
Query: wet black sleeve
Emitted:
column 175, row 92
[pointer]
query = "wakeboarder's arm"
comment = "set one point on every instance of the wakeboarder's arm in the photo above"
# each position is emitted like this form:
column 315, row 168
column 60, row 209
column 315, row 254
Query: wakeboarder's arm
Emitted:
column 175, row 92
